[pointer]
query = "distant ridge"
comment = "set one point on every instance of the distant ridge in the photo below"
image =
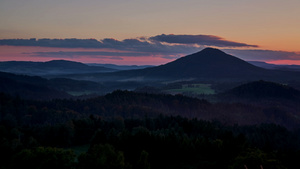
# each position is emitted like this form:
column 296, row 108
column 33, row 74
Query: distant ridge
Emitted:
column 54, row 67
column 63, row 63
column 274, row 66
column 121, row 67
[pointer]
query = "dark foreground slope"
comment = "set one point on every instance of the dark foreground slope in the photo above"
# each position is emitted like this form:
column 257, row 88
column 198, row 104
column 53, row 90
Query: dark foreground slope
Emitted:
column 168, row 142
column 132, row 130
column 127, row 104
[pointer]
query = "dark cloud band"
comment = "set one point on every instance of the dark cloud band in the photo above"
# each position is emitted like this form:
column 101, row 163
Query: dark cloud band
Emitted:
column 153, row 44
column 165, row 46
column 88, row 53
column 60, row 43
column 135, row 45
column 206, row 40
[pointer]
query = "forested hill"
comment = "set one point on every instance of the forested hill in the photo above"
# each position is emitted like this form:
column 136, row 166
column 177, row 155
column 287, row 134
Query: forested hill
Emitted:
column 264, row 89
column 128, row 104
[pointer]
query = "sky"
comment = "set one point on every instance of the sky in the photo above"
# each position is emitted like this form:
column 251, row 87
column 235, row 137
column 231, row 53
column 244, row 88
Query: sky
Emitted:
column 144, row 32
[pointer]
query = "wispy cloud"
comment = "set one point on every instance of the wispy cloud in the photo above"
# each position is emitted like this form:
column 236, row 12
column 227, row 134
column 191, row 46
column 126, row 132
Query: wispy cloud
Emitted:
column 146, row 45
column 60, row 43
column 155, row 44
column 137, row 44
column 205, row 40
column 86, row 53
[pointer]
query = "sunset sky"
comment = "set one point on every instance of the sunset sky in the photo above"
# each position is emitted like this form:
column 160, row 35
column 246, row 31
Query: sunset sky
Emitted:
column 148, row 32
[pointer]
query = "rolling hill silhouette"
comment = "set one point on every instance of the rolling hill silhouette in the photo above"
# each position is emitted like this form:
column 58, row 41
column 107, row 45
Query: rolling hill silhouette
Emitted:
column 63, row 64
column 54, row 67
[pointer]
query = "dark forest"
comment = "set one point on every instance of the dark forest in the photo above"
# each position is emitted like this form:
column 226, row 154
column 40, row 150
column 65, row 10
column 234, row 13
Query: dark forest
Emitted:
column 138, row 130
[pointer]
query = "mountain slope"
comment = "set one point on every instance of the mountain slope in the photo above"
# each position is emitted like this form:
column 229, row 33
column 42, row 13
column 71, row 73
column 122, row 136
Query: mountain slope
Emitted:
column 208, row 64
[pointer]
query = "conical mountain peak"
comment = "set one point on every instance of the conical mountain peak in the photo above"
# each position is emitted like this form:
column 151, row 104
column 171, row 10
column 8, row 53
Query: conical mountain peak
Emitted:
column 212, row 51
column 208, row 63
column 210, row 58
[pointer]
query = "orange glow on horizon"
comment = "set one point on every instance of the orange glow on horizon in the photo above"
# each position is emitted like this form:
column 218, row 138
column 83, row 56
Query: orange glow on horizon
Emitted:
column 28, row 53
column 24, row 53
column 284, row 62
